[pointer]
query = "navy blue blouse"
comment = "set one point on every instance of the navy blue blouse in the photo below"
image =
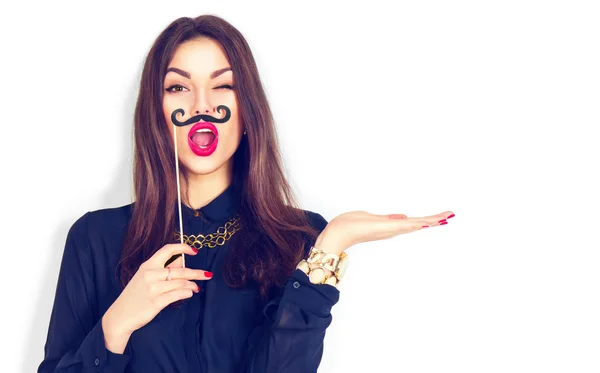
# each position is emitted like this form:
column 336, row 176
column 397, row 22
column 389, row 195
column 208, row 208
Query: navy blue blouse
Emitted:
column 219, row 329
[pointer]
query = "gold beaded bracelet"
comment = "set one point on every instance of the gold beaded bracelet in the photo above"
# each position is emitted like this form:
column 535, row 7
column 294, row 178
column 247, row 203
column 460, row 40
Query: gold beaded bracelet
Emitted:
column 324, row 268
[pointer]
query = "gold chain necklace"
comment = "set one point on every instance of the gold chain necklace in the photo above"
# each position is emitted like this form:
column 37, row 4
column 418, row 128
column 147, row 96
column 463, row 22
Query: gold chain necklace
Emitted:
column 212, row 239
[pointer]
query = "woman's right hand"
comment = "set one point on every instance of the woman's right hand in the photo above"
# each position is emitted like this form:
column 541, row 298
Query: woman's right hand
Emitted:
column 148, row 292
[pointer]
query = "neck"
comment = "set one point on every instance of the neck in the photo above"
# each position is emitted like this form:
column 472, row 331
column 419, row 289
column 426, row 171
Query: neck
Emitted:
column 201, row 189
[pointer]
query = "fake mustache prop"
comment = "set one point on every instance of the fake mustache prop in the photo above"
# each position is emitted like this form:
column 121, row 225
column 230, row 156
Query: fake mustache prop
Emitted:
column 176, row 123
column 207, row 118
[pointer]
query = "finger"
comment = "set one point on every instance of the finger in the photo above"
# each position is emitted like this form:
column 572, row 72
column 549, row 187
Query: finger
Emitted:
column 435, row 219
column 169, row 297
column 409, row 224
column 166, row 286
column 163, row 254
column 441, row 216
column 176, row 261
column 393, row 227
column 191, row 274
column 419, row 224
column 178, row 273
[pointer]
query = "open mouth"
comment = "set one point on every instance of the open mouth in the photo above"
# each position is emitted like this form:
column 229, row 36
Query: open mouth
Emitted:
column 203, row 137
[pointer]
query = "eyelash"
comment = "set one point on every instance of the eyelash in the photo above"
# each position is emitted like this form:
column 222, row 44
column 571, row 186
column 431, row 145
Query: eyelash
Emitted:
column 179, row 85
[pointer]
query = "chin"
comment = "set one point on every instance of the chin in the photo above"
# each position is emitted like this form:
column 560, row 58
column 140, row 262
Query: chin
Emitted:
column 198, row 165
column 204, row 167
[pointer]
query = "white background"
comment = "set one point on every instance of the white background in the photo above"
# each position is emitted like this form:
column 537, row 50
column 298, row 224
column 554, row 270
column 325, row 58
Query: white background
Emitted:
column 488, row 109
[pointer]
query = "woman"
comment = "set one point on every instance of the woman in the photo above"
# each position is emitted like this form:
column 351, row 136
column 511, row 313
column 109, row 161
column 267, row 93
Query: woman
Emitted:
column 239, row 294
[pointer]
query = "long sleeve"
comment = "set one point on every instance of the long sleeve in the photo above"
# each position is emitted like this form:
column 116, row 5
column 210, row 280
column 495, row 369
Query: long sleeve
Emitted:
column 75, row 340
column 292, row 337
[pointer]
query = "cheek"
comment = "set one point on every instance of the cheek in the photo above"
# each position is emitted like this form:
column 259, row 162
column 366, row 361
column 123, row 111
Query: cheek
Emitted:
column 235, row 126
column 182, row 135
column 170, row 104
column 230, row 137
column 167, row 112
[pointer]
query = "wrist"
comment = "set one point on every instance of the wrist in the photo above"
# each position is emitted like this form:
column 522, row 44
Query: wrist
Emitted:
column 112, row 327
column 324, row 267
column 115, row 340
column 327, row 242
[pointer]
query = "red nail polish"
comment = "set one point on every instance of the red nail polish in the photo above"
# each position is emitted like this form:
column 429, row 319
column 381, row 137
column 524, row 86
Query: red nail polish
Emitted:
column 208, row 274
column 451, row 216
column 425, row 226
column 444, row 223
column 441, row 221
column 195, row 250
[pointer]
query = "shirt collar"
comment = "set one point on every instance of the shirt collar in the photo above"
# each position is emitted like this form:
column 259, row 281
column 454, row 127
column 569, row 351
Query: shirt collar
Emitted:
column 220, row 208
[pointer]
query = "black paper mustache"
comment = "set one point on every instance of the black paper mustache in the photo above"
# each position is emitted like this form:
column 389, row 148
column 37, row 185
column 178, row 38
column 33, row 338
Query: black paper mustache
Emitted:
column 195, row 119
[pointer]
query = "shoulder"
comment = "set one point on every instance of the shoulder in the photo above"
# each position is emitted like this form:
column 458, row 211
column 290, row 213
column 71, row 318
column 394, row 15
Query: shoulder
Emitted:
column 95, row 232
column 102, row 222
column 111, row 216
column 316, row 220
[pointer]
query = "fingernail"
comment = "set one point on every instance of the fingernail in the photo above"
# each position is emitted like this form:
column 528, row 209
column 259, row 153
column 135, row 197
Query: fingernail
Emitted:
column 425, row 226
column 441, row 221
column 198, row 286
column 208, row 274
column 195, row 250
column 451, row 216
column 444, row 223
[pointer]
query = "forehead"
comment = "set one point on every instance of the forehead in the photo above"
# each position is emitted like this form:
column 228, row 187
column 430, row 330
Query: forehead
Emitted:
column 200, row 57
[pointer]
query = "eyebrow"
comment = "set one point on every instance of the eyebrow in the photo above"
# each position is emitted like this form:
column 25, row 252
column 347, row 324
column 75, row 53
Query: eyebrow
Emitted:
column 213, row 75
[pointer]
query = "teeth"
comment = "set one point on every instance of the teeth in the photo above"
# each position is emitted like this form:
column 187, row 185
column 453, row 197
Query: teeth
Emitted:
column 204, row 130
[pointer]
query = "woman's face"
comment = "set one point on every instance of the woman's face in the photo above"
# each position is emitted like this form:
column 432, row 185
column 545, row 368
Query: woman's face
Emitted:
column 198, row 80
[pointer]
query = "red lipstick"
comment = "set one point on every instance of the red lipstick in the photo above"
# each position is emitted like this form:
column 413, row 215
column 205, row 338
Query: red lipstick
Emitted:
column 203, row 151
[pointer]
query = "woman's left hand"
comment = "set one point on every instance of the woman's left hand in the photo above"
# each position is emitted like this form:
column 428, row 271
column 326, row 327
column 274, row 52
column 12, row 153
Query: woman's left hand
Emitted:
column 355, row 227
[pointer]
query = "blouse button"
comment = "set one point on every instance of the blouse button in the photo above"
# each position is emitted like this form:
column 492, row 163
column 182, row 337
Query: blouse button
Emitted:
column 97, row 362
column 296, row 284
column 196, row 213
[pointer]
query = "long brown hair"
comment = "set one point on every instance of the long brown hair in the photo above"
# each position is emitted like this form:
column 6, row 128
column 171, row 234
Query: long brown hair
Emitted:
column 275, row 229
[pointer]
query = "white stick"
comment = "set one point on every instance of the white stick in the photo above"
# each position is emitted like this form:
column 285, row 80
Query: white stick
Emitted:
column 178, row 192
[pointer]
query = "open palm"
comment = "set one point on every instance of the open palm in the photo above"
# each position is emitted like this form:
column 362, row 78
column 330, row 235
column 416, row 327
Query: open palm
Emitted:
column 354, row 227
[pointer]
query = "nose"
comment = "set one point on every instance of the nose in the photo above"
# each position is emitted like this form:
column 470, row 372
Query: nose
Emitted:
column 202, row 105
